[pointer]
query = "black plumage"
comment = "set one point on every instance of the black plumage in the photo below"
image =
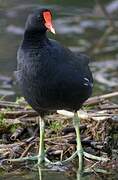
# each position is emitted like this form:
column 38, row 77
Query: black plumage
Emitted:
column 50, row 76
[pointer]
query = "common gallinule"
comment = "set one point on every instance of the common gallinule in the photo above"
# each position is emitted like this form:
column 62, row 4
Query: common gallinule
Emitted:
column 50, row 76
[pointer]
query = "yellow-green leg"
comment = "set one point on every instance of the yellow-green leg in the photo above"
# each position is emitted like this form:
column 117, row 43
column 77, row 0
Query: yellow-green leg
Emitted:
column 41, row 155
column 76, row 123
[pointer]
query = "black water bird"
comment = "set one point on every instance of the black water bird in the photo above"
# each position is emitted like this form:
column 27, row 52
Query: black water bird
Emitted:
column 50, row 76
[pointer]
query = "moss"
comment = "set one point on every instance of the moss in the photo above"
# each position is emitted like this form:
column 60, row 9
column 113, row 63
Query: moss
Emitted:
column 20, row 100
column 55, row 126
column 2, row 119
column 87, row 107
column 8, row 109
column 14, row 127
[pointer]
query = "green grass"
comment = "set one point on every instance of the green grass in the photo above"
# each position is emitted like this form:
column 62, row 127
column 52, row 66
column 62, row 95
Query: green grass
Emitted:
column 20, row 100
column 55, row 126
column 14, row 127
column 2, row 119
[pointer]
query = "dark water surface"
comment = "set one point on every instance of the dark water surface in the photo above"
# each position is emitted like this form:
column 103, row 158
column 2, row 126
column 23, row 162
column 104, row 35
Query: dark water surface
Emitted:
column 46, row 174
column 79, row 25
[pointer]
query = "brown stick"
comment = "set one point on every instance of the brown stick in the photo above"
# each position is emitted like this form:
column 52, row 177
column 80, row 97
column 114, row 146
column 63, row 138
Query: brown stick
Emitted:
column 108, row 16
column 98, row 99
column 7, row 104
column 26, row 150
column 17, row 133
column 109, row 107
column 4, row 146
column 15, row 114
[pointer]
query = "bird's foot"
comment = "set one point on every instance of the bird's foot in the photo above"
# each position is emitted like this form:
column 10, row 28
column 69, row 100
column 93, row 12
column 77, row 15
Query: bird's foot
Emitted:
column 90, row 156
column 57, row 163
column 38, row 158
column 45, row 160
column 41, row 159
column 22, row 159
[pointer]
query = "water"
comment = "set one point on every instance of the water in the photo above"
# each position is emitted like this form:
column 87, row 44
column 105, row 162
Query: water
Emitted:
column 44, row 174
column 79, row 25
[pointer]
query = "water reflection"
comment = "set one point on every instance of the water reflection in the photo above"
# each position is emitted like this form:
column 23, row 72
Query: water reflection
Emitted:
column 38, row 173
column 86, row 174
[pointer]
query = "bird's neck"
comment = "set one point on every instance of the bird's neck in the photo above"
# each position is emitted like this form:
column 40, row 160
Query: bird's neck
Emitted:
column 34, row 37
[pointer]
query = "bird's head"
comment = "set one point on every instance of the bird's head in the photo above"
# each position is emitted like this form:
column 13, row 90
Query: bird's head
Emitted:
column 40, row 20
